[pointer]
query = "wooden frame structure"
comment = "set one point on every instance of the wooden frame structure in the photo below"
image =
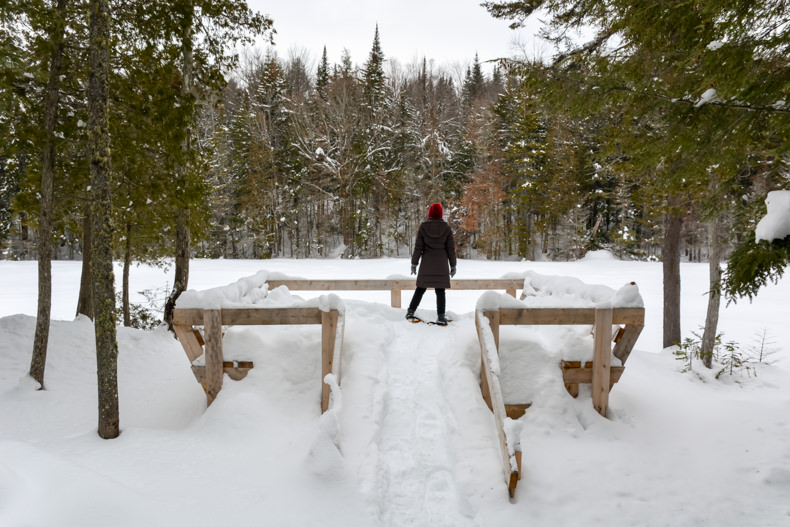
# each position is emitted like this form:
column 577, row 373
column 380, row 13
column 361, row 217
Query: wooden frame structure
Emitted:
column 600, row 373
column 211, row 375
column 510, row 285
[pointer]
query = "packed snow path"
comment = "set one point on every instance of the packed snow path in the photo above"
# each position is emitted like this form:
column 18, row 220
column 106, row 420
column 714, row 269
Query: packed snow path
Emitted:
column 410, row 458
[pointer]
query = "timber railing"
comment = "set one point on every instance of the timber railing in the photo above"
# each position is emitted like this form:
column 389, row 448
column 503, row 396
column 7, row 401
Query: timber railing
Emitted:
column 210, row 376
column 395, row 286
column 600, row 373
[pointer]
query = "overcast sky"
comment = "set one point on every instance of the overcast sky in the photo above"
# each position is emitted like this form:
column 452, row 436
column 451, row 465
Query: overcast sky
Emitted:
column 448, row 31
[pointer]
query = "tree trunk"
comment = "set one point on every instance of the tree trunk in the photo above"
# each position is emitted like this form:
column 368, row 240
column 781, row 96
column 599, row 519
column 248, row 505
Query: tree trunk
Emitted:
column 714, row 295
column 52, row 98
column 673, row 223
column 85, row 299
column 127, row 264
column 182, row 265
column 101, row 211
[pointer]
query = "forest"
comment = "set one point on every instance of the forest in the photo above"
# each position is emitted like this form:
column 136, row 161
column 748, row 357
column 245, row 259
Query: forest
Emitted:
column 141, row 132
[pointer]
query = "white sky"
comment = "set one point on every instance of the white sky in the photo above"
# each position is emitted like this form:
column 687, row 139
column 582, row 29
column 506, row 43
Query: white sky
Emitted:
column 448, row 31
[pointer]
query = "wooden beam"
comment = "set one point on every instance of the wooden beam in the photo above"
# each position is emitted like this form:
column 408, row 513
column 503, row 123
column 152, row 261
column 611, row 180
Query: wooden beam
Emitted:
column 212, row 321
column 509, row 462
column 328, row 337
column 235, row 370
column 494, row 320
column 585, row 375
column 253, row 316
column 468, row 284
column 515, row 411
column 626, row 343
column 567, row 315
column 602, row 358
column 485, row 389
column 186, row 336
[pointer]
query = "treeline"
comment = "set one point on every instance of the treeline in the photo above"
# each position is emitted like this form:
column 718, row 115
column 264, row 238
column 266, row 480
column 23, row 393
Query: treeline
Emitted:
column 301, row 159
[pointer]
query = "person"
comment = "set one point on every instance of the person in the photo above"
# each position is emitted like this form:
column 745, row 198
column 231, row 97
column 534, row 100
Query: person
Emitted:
column 434, row 249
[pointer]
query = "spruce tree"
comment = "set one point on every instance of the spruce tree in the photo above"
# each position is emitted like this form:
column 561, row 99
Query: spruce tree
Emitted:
column 322, row 76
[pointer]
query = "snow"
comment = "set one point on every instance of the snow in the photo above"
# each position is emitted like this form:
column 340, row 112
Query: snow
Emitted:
column 707, row 96
column 775, row 225
column 408, row 439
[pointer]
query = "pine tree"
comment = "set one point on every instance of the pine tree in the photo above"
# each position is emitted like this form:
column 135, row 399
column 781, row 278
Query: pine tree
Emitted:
column 322, row 76
column 374, row 77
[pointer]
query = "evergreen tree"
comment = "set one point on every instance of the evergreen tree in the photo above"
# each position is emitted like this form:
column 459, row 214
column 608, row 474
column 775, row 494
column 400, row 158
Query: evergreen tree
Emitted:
column 689, row 83
column 322, row 76
column 374, row 78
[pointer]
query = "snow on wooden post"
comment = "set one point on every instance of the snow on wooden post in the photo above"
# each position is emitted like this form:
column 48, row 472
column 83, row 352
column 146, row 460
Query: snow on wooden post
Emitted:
column 212, row 323
column 328, row 337
column 602, row 360
column 492, row 393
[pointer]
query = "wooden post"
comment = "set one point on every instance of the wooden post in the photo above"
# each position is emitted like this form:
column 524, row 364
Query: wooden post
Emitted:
column 622, row 348
column 328, row 336
column 212, row 322
column 511, row 292
column 395, row 297
column 189, row 341
column 602, row 360
column 493, row 319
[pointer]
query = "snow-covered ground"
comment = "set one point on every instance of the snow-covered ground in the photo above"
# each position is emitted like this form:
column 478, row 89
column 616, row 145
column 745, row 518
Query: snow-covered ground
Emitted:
column 410, row 441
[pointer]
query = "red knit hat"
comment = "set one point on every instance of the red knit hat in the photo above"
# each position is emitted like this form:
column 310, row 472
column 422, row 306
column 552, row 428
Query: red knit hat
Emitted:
column 435, row 211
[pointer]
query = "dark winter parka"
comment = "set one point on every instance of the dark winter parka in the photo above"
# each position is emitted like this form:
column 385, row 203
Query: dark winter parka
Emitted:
column 436, row 247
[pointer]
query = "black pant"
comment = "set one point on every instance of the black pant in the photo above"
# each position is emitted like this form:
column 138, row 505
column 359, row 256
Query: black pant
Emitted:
column 440, row 300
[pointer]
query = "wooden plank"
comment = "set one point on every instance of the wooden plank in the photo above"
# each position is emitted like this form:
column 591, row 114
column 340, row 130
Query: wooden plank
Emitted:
column 256, row 316
column 335, row 285
column 212, row 321
column 271, row 316
column 236, row 373
column 189, row 341
column 515, row 411
column 188, row 317
column 602, row 358
column 509, row 463
column 468, row 284
column 518, row 464
column 328, row 337
column 567, row 315
column 494, row 319
column 626, row 343
column 484, row 387
column 585, row 375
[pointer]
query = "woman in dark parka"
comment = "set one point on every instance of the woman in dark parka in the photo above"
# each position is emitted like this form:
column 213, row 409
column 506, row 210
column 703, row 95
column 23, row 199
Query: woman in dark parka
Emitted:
column 436, row 248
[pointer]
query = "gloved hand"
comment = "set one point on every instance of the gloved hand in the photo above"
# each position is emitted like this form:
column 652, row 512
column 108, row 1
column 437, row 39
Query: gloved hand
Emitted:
column 413, row 269
column 452, row 272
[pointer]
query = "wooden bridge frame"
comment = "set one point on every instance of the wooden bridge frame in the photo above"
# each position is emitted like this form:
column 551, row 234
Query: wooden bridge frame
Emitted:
column 600, row 373
column 211, row 375
column 510, row 285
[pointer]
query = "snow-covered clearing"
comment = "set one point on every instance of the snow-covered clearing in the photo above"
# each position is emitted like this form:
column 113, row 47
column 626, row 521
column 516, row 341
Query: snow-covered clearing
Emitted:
column 409, row 442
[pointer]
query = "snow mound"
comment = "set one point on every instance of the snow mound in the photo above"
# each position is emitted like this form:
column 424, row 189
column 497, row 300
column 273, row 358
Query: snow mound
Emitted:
column 253, row 291
column 561, row 291
column 566, row 291
column 598, row 256
column 776, row 223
